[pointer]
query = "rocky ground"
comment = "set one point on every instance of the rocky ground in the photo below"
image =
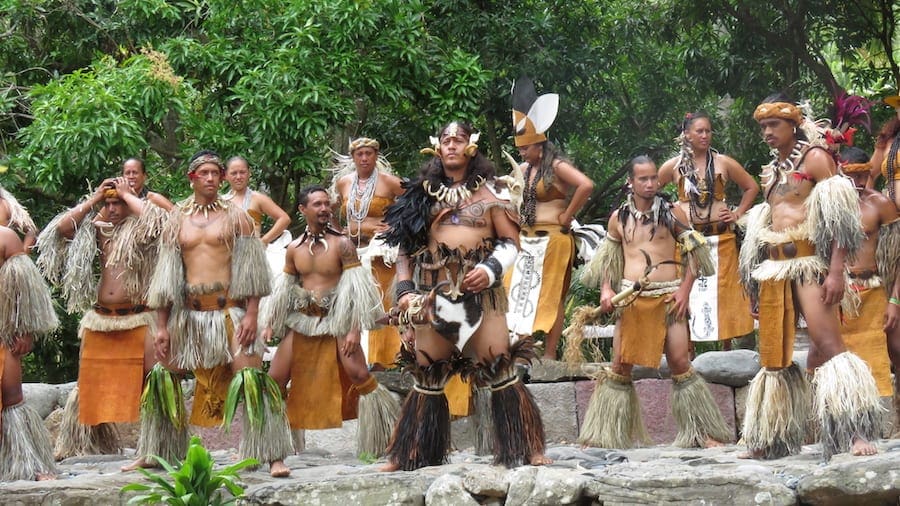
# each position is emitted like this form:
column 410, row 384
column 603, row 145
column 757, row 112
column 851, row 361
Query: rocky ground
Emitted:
column 328, row 473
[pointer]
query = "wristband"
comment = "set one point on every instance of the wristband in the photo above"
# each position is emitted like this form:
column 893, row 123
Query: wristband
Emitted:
column 894, row 300
column 403, row 287
column 501, row 259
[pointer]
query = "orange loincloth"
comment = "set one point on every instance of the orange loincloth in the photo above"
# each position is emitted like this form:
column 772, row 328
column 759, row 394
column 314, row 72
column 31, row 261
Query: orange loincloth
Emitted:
column 642, row 327
column 211, row 388
column 734, row 305
column 777, row 323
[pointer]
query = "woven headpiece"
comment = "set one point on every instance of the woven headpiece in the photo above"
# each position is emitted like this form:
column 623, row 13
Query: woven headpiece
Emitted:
column 532, row 115
column 780, row 110
column 364, row 142
column 202, row 159
column 110, row 193
column 851, row 168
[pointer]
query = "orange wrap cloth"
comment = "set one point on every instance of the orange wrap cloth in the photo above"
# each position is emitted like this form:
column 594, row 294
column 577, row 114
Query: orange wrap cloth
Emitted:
column 321, row 395
column 384, row 343
column 719, row 308
column 643, row 325
column 539, row 279
column 111, row 375
column 864, row 336
column 777, row 323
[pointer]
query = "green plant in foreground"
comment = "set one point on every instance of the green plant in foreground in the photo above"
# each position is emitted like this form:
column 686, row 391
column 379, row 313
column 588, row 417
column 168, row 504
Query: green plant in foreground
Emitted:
column 193, row 483
column 367, row 457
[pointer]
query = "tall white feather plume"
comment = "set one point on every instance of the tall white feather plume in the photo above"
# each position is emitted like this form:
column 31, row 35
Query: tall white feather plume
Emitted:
column 543, row 112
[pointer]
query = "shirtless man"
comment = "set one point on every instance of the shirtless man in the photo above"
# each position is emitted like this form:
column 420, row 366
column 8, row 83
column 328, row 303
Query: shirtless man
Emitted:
column 873, row 332
column 654, row 321
column 206, row 289
column 116, row 341
column 459, row 232
column 26, row 311
column 794, row 254
column 324, row 299
column 364, row 187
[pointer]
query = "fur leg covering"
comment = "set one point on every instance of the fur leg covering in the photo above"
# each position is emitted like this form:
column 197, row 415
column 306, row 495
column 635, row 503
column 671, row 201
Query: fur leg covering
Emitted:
column 164, row 431
column 25, row 450
column 846, row 403
column 696, row 414
column 422, row 434
column 378, row 413
column 270, row 440
column 75, row 438
column 518, row 429
column 613, row 417
column 777, row 407
column 484, row 422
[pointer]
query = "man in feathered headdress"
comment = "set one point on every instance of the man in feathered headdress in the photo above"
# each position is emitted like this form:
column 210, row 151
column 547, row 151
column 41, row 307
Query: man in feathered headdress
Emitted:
column 554, row 191
column 320, row 304
column 638, row 256
column 26, row 312
column 792, row 261
column 873, row 331
column 457, row 235
column 116, row 329
column 206, row 287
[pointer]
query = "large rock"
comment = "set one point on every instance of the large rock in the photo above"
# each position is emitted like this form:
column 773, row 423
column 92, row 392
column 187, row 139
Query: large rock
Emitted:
column 42, row 397
column 555, row 401
column 487, row 482
column 448, row 490
column 339, row 488
column 734, row 368
column 846, row 481
column 674, row 483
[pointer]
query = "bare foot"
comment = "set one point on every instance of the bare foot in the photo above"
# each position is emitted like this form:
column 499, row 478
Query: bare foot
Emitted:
column 278, row 470
column 44, row 476
column 540, row 460
column 139, row 463
column 751, row 454
column 862, row 447
column 712, row 443
column 390, row 467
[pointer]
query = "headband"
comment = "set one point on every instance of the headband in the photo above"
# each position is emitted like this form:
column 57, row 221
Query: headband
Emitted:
column 780, row 110
column 202, row 159
column 452, row 130
column 110, row 193
column 853, row 168
column 364, row 142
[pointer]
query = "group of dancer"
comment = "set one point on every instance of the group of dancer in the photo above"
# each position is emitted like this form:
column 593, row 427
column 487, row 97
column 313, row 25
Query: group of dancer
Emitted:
column 450, row 275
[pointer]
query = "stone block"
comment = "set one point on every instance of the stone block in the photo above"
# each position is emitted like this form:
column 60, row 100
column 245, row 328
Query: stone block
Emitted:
column 42, row 397
column 734, row 368
column 656, row 407
column 556, row 402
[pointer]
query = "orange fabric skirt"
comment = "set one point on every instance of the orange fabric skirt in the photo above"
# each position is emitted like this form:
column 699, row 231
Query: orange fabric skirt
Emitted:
column 321, row 395
column 111, row 375
column 864, row 336
column 734, row 306
column 384, row 343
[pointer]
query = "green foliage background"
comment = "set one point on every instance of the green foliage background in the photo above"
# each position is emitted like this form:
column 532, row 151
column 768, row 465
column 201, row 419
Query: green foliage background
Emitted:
column 88, row 83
